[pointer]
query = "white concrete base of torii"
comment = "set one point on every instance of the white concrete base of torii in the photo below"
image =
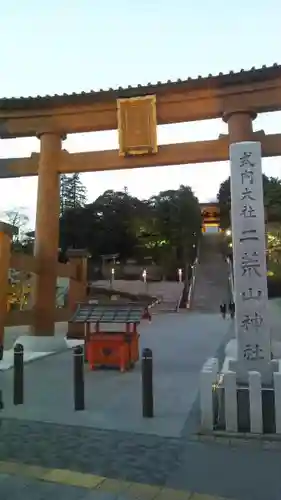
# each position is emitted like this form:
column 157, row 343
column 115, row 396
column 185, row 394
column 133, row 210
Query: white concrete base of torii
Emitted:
column 36, row 348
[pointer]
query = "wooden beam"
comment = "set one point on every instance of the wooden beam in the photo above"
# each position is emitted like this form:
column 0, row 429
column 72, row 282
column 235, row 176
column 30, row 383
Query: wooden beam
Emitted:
column 68, row 270
column 171, row 154
column 27, row 263
column 19, row 318
column 175, row 105
column 19, row 167
column 63, row 314
column 22, row 262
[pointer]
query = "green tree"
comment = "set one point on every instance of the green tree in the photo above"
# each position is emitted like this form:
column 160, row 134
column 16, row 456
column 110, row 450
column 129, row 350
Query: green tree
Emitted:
column 178, row 217
column 116, row 214
column 166, row 227
column 272, row 200
column 63, row 193
column 274, row 243
column 76, row 225
column 18, row 218
column 224, row 199
column 73, row 193
column 106, row 226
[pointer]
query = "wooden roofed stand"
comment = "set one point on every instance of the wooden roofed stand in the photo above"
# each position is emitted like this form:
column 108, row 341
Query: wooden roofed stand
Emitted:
column 114, row 340
column 235, row 97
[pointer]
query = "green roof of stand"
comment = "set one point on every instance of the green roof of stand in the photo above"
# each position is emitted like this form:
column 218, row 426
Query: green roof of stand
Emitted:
column 115, row 312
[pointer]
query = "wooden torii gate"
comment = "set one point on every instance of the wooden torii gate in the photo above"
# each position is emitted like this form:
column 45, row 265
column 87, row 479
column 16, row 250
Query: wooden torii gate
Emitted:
column 237, row 98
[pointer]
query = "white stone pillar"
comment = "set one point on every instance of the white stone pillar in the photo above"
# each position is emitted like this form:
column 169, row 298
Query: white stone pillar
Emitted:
column 255, row 395
column 249, row 257
column 277, row 398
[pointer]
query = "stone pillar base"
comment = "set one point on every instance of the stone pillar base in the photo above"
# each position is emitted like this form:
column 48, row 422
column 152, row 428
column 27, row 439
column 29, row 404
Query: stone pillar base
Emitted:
column 242, row 373
column 31, row 343
column 231, row 363
column 227, row 405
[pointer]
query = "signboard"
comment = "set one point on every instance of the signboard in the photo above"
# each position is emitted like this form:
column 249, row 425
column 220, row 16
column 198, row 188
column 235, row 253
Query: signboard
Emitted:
column 249, row 259
column 137, row 125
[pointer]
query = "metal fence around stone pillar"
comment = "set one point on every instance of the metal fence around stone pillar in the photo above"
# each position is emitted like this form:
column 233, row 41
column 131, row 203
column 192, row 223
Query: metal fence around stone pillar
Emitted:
column 264, row 404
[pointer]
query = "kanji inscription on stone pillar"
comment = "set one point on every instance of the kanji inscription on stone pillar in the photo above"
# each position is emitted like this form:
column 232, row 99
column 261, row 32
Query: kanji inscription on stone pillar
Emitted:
column 249, row 259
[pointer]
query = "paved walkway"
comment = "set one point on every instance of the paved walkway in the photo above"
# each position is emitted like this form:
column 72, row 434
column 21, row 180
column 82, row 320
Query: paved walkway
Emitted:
column 242, row 472
column 180, row 343
column 111, row 440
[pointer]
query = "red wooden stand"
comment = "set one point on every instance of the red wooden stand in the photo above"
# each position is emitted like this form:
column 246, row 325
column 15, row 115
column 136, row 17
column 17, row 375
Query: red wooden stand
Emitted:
column 113, row 349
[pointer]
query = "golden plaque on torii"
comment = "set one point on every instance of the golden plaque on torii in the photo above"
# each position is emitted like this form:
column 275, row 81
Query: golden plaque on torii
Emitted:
column 137, row 125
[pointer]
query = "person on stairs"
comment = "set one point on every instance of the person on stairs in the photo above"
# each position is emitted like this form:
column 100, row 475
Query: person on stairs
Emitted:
column 231, row 309
column 223, row 310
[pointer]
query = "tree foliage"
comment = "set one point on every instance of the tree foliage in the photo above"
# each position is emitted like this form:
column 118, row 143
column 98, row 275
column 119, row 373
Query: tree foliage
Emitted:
column 272, row 200
column 73, row 193
column 177, row 218
column 17, row 217
column 165, row 227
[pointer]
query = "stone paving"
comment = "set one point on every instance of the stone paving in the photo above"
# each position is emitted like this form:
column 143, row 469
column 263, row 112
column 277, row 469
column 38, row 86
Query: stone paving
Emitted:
column 180, row 344
column 152, row 450
column 125, row 450
column 129, row 456
column 243, row 471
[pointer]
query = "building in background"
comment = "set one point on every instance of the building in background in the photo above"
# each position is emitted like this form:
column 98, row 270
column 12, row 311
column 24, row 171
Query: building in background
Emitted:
column 210, row 217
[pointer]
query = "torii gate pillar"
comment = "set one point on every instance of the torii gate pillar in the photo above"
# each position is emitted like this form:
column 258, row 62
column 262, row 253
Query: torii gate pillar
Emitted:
column 47, row 235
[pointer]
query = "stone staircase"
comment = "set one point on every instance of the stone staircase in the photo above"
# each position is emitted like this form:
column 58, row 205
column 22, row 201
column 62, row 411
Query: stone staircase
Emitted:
column 168, row 294
column 211, row 284
column 165, row 306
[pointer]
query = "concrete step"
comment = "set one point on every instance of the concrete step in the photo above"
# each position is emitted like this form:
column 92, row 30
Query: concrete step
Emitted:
column 163, row 307
column 211, row 284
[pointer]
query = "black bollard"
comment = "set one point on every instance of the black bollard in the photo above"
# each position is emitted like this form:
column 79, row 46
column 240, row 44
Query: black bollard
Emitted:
column 1, row 406
column 1, row 352
column 79, row 398
column 147, row 384
column 18, row 374
column 85, row 354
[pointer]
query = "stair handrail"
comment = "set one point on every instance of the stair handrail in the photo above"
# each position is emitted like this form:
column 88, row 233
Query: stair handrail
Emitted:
column 180, row 299
column 230, row 277
column 192, row 284
column 193, row 277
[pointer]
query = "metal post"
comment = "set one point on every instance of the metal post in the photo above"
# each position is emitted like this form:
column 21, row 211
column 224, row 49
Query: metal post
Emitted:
column 79, row 397
column 86, row 338
column 147, row 384
column 18, row 374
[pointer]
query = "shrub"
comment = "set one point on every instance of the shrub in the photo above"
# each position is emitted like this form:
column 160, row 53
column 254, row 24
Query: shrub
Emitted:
column 274, row 286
